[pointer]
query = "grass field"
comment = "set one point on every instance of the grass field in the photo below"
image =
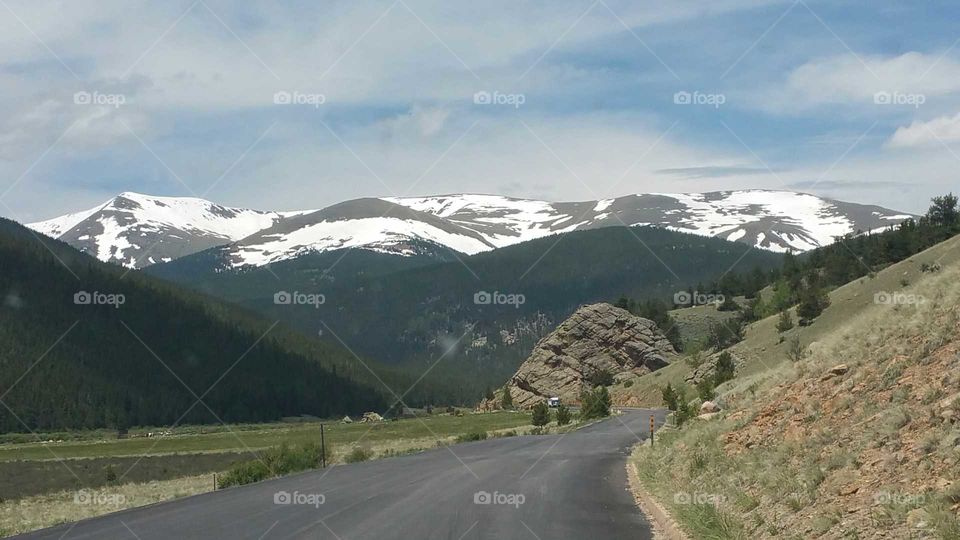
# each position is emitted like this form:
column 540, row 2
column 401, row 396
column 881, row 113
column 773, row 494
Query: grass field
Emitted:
column 41, row 483
column 189, row 440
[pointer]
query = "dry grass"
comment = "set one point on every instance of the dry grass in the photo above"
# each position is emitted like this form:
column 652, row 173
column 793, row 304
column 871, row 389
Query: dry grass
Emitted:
column 40, row 511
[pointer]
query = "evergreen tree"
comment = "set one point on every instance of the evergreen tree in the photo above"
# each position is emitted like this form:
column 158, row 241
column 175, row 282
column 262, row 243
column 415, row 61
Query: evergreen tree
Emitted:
column 669, row 396
column 813, row 300
column 563, row 415
column 507, row 400
column 943, row 212
column 785, row 322
column 705, row 389
column 725, row 369
column 602, row 402
column 541, row 414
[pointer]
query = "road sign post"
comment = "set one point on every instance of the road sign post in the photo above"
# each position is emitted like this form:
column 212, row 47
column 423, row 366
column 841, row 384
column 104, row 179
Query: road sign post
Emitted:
column 651, row 429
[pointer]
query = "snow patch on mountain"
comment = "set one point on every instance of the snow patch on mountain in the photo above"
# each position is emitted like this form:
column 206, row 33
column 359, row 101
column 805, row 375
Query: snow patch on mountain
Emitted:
column 384, row 234
column 137, row 230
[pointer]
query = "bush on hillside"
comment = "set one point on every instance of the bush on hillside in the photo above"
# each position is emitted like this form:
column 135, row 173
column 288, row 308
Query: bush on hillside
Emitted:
column 670, row 397
column 725, row 369
column 601, row 377
column 705, row 390
column 785, row 322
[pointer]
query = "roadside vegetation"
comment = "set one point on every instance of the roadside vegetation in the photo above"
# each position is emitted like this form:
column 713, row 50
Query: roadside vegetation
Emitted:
column 841, row 428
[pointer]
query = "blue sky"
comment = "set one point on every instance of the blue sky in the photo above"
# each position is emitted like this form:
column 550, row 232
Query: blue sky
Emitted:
column 846, row 99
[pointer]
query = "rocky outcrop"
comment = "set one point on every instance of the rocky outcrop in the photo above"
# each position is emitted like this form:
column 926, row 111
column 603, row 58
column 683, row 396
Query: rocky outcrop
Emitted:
column 595, row 338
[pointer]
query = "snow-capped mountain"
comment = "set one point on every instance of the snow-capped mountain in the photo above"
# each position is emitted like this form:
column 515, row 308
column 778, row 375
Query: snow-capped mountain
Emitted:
column 774, row 220
column 138, row 230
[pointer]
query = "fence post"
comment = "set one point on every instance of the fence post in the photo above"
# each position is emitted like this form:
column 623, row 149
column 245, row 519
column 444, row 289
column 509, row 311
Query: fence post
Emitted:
column 214, row 481
column 323, row 449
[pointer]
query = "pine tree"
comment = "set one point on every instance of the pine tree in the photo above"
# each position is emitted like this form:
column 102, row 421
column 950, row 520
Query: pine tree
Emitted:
column 669, row 396
column 785, row 322
column 943, row 212
column 541, row 414
column 601, row 402
column 507, row 401
column 725, row 369
column 563, row 415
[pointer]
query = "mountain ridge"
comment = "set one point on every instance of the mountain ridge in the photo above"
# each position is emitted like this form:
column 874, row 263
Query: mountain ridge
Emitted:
column 137, row 230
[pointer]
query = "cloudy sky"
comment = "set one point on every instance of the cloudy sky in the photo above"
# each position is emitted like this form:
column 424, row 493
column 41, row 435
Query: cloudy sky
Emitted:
column 301, row 104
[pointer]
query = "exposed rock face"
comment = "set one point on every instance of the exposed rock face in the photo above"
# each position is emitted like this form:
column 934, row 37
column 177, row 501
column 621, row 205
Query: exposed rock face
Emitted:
column 596, row 337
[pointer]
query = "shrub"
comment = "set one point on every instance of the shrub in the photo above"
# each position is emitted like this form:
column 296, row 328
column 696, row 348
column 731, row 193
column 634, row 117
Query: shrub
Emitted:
column 595, row 404
column 796, row 351
column 277, row 461
column 724, row 334
column 669, row 396
column 507, row 401
column 358, row 454
column 725, row 369
column 728, row 304
column 541, row 414
column 563, row 415
column 245, row 472
column 705, row 390
column 628, row 384
column 785, row 322
column 601, row 377
column 475, row 435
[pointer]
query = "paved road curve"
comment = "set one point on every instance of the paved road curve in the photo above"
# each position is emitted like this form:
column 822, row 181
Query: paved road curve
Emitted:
column 548, row 488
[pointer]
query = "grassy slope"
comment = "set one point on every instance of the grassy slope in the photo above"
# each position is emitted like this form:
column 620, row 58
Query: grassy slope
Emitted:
column 761, row 352
column 797, row 454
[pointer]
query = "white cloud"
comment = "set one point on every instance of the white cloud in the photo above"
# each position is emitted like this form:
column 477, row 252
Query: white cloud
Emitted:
column 846, row 79
column 939, row 130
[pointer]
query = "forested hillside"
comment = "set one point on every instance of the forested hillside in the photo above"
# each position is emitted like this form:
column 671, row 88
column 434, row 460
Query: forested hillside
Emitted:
column 127, row 357
column 410, row 312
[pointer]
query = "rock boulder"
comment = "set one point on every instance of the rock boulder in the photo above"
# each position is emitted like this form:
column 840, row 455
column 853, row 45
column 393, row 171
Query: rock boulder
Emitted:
column 596, row 337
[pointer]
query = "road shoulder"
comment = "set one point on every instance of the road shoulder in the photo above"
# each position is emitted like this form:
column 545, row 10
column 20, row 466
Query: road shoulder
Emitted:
column 663, row 526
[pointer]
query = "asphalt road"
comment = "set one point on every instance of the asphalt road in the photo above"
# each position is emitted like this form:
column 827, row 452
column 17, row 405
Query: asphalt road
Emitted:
column 549, row 487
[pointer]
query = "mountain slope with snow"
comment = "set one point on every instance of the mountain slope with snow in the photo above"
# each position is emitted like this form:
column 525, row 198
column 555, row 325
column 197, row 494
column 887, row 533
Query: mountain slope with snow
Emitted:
column 774, row 220
column 138, row 230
